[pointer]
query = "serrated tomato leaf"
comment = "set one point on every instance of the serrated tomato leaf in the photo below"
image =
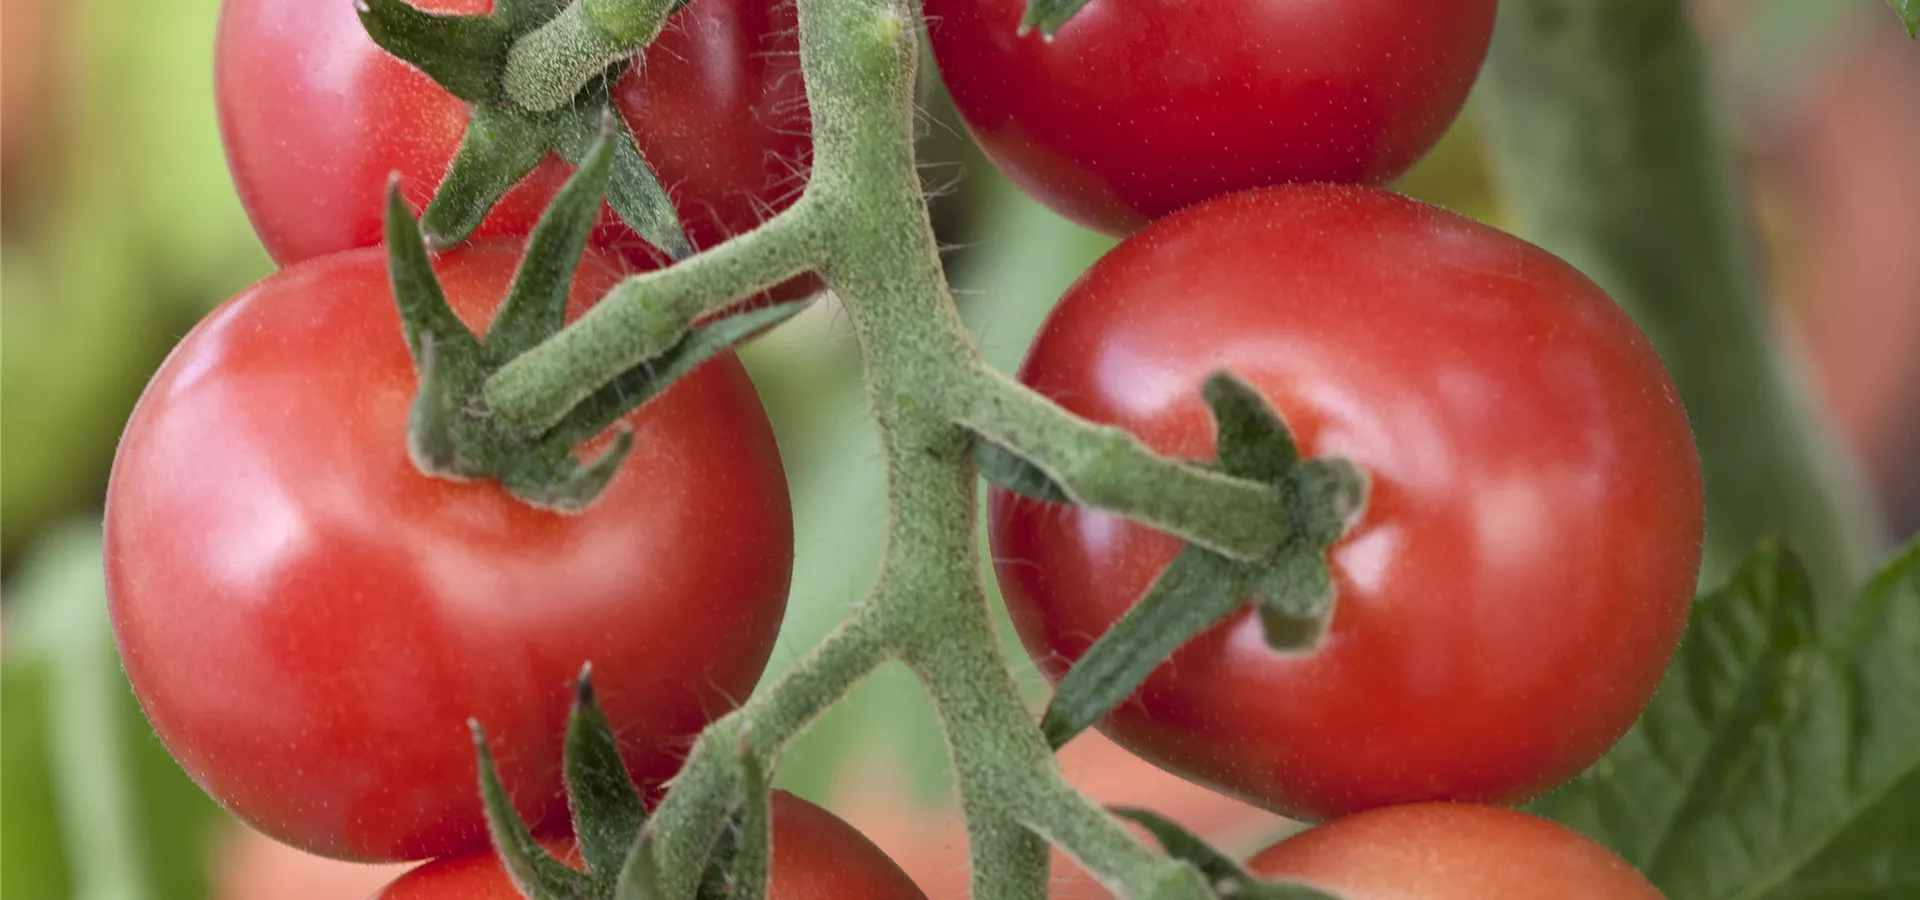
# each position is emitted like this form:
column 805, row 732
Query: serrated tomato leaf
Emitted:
column 1909, row 11
column 1773, row 763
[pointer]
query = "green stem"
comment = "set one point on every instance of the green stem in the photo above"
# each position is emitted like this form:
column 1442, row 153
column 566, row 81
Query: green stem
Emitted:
column 647, row 314
column 708, row 786
column 1107, row 468
column 549, row 66
column 1612, row 158
column 863, row 224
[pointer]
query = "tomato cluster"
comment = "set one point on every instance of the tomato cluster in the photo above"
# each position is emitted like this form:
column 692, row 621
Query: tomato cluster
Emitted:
column 1522, row 573
column 311, row 622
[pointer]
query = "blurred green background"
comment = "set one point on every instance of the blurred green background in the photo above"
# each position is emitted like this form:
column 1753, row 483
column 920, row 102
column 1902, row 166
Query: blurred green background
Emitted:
column 118, row 229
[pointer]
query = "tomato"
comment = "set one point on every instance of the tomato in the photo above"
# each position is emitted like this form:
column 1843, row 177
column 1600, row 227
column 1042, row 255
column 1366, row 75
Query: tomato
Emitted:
column 1136, row 108
column 1452, row 851
column 815, row 857
column 315, row 117
column 1522, row 574
column 309, row 621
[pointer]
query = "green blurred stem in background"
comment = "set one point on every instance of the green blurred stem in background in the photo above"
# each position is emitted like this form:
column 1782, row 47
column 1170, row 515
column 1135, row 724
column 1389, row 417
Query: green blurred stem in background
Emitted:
column 1609, row 154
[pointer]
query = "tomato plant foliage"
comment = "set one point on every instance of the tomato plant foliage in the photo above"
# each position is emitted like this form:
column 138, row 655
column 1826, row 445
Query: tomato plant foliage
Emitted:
column 1775, row 761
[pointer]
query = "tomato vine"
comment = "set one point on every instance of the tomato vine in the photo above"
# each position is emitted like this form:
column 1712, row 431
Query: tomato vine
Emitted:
column 515, row 403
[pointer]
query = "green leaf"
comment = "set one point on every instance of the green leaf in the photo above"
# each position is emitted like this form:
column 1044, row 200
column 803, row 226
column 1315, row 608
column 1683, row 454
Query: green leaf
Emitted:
column 1196, row 590
column 1773, row 764
column 1228, row 879
column 607, row 812
column 1909, row 11
column 537, row 305
column 464, row 54
column 1010, row 471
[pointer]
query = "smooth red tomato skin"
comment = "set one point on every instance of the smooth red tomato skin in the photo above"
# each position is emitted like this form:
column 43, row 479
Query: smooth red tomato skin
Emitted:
column 816, row 857
column 1452, row 851
column 310, row 622
column 1523, row 572
column 1137, row 108
column 315, row 117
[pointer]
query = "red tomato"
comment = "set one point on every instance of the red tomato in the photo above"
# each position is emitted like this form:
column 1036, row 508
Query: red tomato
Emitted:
column 1138, row 108
column 315, row 117
column 1452, row 851
column 1524, row 569
column 309, row 621
column 815, row 857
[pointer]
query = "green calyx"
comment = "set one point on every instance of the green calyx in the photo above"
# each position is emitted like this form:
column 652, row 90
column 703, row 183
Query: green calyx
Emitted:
column 449, row 432
column 611, row 826
column 1292, row 589
column 477, row 58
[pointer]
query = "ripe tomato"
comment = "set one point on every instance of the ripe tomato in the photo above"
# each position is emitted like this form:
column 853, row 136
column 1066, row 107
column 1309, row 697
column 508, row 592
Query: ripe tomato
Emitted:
column 315, row 117
column 1136, row 109
column 309, row 621
column 1452, row 851
column 1524, row 568
column 815, row 857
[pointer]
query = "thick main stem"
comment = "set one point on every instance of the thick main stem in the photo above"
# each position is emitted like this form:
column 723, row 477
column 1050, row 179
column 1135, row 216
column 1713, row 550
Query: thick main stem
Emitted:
column 859, row 61
column 1611, row 156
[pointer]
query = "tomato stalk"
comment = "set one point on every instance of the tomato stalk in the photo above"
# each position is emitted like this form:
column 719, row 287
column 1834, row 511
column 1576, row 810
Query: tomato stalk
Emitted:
column 862, row 223
column 1612, row 158
column 648, row 313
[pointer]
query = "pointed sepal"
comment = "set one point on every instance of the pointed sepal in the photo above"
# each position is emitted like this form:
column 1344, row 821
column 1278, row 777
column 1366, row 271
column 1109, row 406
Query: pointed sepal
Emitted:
column 432, row 443
column 641, row 383
column 1194, row 591
column 1011, row 472
column 416, row 289
column 498, row 149
column 572, row 488
column 1048, row 16
column 633, row 190
column 1251, row 440
column 1226, row 876
column 464, row 54
column 607, row 812
column 537, row 305
column 536, row 873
